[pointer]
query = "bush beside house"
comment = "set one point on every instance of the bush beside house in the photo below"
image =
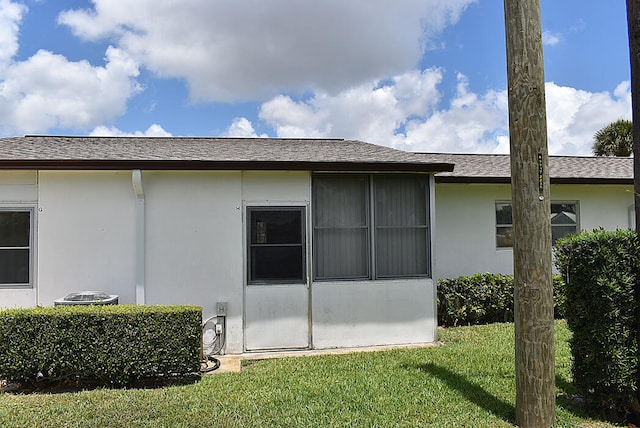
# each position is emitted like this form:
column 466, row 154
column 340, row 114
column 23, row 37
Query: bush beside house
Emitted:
column 484, row 298
column 602, row 270
column 100, row 345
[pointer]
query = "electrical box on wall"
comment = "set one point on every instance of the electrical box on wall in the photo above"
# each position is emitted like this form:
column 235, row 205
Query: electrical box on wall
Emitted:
column 221, row 309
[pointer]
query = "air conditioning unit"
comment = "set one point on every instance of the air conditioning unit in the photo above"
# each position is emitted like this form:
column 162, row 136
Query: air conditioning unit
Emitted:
column 87, row 298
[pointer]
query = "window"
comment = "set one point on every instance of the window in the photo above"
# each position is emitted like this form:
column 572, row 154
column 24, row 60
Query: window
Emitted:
column 15, row 246
column 400, row 226
column 564, row 221
column 341, row 226
column 504, row 225
column 370, row 226
column 276, row 244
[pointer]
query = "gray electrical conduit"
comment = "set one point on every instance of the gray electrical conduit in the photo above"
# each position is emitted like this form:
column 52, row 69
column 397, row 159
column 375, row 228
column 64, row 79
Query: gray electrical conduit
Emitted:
column 220, row 341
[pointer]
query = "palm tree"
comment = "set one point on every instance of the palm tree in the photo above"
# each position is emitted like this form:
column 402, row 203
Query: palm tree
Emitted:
column 615, row 139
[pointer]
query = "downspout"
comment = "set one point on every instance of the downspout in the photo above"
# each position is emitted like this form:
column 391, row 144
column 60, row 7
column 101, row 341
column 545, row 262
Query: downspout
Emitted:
column 432, row 250
column 136, row 179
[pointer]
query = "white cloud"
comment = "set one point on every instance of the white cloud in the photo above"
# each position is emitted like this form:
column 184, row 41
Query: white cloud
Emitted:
column 10, row 18
column 401, row 114
column 471, row 123
column 154, row 130
column 242, row 127
column 406, row 113
column 549, row 38
column 371, row 112
column 48, row 91
column 256, row 49
column 573, row 116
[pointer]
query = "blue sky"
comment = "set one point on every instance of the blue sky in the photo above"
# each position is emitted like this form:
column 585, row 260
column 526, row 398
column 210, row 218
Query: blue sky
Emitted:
column 422, row 75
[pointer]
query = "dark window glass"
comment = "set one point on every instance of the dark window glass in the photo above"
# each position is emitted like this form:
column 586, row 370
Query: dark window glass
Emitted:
column 504, row 236
column 401, row 225
column 14, row 266
column 504, row 214
column 276, row 245
column 341, row 226
column 276, row 227
column 370, row 226
column 14, row 228
column 401, row 252
column 276, row 263
column 564, row 221
column 15, row 243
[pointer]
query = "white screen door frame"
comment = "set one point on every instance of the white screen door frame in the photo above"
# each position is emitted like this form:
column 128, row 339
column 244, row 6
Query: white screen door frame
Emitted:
column 276, row 292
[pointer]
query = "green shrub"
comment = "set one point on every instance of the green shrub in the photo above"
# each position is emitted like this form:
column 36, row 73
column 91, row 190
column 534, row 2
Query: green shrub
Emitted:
column 601, row 271
column 103, row 345
column 484, row 298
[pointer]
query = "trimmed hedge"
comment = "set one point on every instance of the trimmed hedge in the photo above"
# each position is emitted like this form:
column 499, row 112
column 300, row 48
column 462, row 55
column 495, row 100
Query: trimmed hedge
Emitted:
column 100, row 345
column 602, row 270
column 484, row 298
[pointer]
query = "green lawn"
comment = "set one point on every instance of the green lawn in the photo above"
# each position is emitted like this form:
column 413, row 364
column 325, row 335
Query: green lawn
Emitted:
column 468, row 382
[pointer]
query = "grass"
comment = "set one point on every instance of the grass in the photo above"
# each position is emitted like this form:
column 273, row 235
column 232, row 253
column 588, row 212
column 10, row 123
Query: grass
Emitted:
column 467, row 382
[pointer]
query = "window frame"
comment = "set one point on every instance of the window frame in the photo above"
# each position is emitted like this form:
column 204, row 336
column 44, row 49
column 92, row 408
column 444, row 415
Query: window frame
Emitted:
column 31, row 209
column 502, row 225
column 558, row 202
column 577, row 211
column 367, row 227
column 378, row 227
column 373, row 227
column 302, row 211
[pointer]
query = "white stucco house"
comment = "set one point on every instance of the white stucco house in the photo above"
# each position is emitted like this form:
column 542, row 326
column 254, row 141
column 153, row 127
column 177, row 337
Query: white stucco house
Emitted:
column 473, row 206
column 311, row 243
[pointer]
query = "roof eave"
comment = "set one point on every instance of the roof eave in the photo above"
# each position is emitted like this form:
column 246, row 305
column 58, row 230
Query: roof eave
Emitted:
column 127, row 164
column 553, row 180
column 471, row 180
column 592, row 180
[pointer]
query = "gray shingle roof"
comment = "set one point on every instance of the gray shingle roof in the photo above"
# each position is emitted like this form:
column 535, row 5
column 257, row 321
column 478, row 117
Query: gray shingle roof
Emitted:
column 480, row 168
column 52, row 152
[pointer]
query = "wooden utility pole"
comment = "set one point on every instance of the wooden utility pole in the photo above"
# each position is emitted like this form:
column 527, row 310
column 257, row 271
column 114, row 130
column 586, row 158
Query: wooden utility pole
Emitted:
column 533, row 287
column 633, row 26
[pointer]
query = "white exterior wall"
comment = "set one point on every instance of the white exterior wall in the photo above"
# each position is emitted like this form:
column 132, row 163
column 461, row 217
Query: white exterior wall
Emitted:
column 599, row 206
column 85, row 236
column 195, row 250
column 19, row 189
column 465, row 241
column 274, row 187
column 194, row 242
